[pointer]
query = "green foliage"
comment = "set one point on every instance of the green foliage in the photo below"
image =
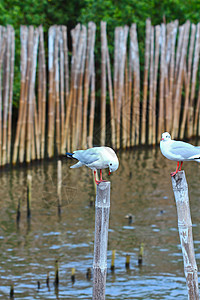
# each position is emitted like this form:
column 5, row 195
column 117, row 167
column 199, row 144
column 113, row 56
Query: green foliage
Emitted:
column 114, row 12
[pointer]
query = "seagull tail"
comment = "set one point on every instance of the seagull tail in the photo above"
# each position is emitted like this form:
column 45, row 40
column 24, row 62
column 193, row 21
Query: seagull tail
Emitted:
column 69, row 154
column 77, row 165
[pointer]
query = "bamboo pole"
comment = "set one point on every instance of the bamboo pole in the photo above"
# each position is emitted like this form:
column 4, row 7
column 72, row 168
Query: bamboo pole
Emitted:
column 66, row 83
column 12, row 61
column 86, row 85
column 116, row 81
column 110, row 89
column 177, row 97
column 103, row 83
column 123, row 34
column 51, row 38
column 171, row 71
column 78, row 45
column 161, row 83
column 23, row 62
column 136, row 87
column 180, row 189
column 124, row 105
column 187, row 89
column 31, row 95
column 62, row 92
column 190, row 118
column 26, row 93
column 2, row 53
column 102, row 210
column 56, row 87
column 157, row 48
column 43, row 105
column 80, row 87
column 151, row 77
column 167, row 104
column 6, row 96
column 92, row 97
column 145, row 82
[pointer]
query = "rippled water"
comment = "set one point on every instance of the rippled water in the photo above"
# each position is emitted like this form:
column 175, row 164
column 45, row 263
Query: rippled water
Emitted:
column 141, row 187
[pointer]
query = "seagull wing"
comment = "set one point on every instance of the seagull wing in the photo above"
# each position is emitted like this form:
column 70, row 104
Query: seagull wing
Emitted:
column 187, row 151
column 86, row 157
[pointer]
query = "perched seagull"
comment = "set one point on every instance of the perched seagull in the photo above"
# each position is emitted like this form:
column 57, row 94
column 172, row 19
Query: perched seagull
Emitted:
column 96, row 158
column 178, row 151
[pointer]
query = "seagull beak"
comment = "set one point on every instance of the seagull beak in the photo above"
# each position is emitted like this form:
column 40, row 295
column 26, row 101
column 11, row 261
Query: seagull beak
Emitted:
column 162, row 139
column 109, row 172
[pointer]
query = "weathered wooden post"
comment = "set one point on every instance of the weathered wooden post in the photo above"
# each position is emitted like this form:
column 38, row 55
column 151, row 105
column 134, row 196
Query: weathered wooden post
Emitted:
column 180, row 189
column 102, row 210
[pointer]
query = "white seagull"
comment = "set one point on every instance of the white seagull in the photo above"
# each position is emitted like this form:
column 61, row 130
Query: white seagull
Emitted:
column 178, row 151
column 96, row 158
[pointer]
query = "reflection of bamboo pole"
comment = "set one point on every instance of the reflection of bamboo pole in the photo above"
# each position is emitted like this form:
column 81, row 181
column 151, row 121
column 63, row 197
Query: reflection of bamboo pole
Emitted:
column 103, row 83
column 187, row 89
column 6, row 95
column 102, row 210
column 12, row 59
column 180, row 189
column 145, row 82
column 59, row 186
column 23, row 66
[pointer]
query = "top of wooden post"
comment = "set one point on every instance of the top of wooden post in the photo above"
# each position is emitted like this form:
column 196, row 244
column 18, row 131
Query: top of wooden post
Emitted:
column 103, row 194
column 179, row 181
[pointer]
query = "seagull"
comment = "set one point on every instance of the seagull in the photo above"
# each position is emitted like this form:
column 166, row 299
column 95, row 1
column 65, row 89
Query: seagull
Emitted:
column 178, row 151
column 96, row 158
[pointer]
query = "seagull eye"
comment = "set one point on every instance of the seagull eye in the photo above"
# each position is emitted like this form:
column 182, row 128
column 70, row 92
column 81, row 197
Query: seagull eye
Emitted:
column 110, row 164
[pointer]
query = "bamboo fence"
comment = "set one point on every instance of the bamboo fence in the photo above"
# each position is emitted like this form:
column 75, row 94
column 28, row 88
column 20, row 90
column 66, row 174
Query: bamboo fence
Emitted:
column 137, row 103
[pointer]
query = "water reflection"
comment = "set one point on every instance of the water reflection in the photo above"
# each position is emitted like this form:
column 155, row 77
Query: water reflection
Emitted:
column 141, row 188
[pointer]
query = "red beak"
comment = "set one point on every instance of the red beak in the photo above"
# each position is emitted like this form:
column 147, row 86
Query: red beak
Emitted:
column 162, row 139
column 109, row 172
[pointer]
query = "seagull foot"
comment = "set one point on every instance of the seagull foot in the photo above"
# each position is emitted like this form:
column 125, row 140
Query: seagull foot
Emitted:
column 173, row 173
column 99, row 181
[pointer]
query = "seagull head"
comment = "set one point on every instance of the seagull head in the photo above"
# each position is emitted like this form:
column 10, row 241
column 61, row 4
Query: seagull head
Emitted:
column 166, row 136
column 113, row 166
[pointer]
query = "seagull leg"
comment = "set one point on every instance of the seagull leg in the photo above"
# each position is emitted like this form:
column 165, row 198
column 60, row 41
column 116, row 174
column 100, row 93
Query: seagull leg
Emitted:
column 181, row 166
column 174, row 173
column 100, row 174
column 96, row 181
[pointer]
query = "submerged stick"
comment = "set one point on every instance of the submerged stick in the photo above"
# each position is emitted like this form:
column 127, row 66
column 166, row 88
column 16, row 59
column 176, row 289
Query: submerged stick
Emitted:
column 180, row 189
column 102, row 210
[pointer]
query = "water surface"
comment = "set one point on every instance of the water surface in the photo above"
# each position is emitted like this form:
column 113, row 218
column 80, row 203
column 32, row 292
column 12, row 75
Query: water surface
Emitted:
column 141, row 187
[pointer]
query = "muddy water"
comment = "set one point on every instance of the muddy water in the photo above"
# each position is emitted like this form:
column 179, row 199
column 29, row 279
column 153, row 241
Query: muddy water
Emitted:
column 141, row 187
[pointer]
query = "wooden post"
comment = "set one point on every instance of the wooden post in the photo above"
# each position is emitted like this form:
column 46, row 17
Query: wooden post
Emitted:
column 180, row 189
column 102, row 209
